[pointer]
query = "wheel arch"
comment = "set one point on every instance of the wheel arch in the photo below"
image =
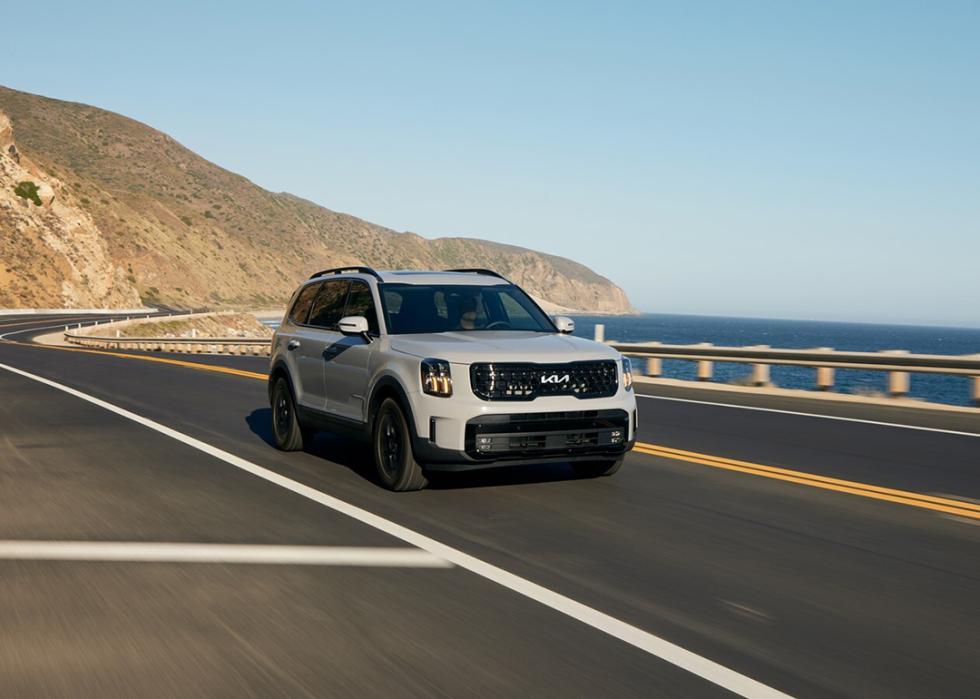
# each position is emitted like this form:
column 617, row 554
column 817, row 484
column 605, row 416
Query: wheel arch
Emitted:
column 390, row 387
column 279, row 370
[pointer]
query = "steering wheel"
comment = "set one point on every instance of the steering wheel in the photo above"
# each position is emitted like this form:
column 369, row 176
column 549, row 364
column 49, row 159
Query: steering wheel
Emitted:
column 501, row 323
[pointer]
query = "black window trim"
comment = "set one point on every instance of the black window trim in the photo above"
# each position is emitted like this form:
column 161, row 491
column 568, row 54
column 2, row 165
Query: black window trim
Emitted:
column 374, row 303
column 289, row 313
column 335, row 327
column 382, row 318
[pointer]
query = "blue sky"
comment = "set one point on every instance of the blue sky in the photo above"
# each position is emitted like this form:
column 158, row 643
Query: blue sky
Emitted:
column 799, row 160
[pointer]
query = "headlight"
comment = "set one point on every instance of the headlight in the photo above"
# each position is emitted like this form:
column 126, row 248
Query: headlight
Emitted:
column 627, row 374
column 437, row 379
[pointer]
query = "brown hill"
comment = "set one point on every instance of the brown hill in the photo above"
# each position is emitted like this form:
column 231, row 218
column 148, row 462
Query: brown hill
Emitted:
column 163, row 224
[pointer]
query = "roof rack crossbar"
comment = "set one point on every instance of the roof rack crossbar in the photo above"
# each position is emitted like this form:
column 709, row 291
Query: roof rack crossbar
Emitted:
column 479, row 270
column 343, row 270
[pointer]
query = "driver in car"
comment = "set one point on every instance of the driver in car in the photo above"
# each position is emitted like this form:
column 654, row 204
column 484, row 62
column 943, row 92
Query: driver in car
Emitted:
column 467, row 312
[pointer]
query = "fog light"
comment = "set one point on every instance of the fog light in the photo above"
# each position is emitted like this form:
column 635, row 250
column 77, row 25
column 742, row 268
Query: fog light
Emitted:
column 484, row 443
column 616, row 436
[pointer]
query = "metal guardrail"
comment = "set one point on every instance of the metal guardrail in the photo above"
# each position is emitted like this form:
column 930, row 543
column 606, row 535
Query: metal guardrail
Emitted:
column 824, row 360
column 241, row 346
column 77, row 311
column 256, row 347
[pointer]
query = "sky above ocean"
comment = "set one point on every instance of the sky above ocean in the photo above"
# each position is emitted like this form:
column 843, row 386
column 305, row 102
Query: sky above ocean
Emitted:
column 801, row 160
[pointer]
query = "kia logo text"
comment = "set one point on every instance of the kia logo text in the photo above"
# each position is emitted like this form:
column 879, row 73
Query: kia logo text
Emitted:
column 555, row 378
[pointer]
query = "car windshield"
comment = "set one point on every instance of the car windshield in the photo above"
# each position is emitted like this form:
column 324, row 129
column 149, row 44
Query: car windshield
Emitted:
column 435, row 308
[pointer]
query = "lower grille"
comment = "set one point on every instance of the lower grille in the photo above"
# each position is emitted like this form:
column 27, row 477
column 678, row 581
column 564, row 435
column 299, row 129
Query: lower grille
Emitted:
column 594, row 379
column 547, row 434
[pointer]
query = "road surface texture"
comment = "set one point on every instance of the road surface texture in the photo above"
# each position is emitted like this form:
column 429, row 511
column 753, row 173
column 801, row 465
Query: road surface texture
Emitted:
column 154, row 543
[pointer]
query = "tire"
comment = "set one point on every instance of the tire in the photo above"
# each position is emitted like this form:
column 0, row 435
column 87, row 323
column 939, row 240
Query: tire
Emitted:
column 391, row 444
column 286, row 429
column 596, row 469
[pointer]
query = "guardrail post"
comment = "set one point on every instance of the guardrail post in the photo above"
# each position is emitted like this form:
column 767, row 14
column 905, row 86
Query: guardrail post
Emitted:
column 825, row 374
column 898, row 381
column 600, row 332
column 976, row 390
column 705, row 366
column 654, row 365
column 760, row 372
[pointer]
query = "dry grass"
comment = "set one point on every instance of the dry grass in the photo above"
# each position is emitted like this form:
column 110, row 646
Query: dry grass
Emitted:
column 222, row 325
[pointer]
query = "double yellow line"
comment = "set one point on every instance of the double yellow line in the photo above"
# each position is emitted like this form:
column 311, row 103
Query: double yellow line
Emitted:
column 959, row 508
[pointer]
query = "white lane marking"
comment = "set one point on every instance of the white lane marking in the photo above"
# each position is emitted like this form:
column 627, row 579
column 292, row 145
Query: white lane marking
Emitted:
column 75, row 321
column 654, row 645
column 824, row 417
column 219, row 553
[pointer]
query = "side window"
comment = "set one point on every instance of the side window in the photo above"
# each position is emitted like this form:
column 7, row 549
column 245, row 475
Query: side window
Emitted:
column 328, row 308
column 301, row 309
column 360, row 303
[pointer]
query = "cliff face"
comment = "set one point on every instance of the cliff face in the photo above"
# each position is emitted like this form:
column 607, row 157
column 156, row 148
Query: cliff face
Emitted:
column 135, row 214
column 52, row 254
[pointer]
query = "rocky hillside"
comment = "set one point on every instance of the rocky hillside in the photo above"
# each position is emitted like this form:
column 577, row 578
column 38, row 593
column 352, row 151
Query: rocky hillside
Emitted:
column 128, row 213
column 52, row 253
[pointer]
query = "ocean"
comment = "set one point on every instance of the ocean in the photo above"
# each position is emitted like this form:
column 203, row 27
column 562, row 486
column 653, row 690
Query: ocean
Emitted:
column 796, row 334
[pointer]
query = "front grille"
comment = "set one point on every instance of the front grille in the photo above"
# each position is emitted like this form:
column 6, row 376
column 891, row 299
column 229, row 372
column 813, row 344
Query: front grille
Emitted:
column 597, row 379
column 547, row 434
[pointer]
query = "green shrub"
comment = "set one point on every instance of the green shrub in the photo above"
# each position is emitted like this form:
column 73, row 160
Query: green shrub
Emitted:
column 28, row 190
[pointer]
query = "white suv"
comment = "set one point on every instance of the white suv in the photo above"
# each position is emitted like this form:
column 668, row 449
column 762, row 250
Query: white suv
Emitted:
column 445, row 370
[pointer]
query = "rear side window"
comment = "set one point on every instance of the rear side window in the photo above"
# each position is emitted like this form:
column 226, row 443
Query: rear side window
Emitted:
column 328, row 308
column 361, row 303
column 301, row 309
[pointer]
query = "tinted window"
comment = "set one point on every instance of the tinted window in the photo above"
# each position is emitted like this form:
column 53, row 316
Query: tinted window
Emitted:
column 360, row 303
column 418, row 308
column 328, row 308
column 301, row 309
column 518, row 316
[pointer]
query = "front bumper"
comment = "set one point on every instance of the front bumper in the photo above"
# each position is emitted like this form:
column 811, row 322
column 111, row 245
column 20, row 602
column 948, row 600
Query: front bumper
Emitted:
column 523, row 438
column 547, row 428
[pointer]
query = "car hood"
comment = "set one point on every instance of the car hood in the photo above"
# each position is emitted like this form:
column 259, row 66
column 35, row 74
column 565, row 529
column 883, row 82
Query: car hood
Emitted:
column 502, row 346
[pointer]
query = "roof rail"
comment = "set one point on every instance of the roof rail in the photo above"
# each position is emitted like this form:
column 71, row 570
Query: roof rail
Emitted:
column 479, row 270
column 342, row 270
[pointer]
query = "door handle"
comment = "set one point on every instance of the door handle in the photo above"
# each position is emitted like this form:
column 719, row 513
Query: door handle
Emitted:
column 292, row 344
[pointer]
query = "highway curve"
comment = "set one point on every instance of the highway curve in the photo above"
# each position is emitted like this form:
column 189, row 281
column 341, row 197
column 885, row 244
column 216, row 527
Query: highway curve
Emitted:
column 759, row 552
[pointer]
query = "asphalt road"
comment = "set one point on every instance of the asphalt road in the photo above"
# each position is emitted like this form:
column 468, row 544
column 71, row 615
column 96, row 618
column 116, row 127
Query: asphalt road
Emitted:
column 804, row 588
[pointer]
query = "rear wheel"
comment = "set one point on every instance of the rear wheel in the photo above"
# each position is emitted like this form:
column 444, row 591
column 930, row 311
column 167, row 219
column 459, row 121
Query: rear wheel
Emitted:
column 288, row 433
column 392, row 445
column 595, row 469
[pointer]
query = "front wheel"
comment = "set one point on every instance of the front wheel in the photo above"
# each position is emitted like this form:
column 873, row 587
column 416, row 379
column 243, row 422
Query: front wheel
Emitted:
column 392, row 445
column 289, row 434
column 595, row 469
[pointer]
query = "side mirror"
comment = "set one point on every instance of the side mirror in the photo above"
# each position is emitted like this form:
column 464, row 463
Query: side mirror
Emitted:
column 354, row 325
column 565, row 325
